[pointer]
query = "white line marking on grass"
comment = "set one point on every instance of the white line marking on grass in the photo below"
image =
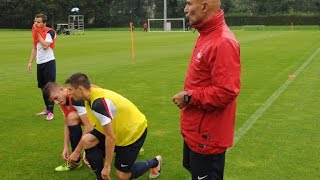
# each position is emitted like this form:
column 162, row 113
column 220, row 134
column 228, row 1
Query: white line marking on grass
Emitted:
column 253, row 118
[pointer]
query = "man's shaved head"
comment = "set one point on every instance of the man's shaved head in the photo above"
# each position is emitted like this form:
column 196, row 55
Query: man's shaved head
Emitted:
column 198, row 11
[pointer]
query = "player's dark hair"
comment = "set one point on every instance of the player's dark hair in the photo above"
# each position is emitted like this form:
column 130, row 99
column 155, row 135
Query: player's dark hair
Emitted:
column 43, row 17
column 78, row 79
column 48, row 88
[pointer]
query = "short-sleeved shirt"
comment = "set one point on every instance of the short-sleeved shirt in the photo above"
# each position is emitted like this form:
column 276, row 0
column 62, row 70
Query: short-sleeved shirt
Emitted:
column 73, row 106
column 45, row 55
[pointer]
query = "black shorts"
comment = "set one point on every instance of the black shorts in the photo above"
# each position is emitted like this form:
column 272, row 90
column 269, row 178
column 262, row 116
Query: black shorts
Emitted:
column 101, row 138
column 46, row 72
column 203, row 166
column 127, row 155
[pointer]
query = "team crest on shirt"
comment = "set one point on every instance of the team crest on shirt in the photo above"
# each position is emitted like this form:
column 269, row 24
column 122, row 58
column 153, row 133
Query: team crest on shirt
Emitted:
column 199, row 56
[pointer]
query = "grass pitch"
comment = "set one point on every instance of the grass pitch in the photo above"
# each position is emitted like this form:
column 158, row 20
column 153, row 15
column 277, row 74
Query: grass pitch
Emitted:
column 283, row 143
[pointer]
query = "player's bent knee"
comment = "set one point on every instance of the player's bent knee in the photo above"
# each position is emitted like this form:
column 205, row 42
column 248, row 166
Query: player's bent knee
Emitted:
column 73, row 119
column 122, row 175
column 88, row 141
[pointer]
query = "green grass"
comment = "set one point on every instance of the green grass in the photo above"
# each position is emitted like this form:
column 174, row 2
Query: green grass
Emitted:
column 282, row 144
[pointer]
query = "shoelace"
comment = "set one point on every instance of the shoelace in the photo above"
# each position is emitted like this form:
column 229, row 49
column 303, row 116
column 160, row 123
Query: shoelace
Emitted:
column 73, row 165
column 67, row 165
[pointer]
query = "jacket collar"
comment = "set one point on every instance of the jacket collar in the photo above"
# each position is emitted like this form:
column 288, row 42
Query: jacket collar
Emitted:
column 216, row 22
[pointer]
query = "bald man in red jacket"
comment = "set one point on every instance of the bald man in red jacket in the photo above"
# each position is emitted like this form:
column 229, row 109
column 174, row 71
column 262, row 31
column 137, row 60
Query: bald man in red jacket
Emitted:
column 212, row 84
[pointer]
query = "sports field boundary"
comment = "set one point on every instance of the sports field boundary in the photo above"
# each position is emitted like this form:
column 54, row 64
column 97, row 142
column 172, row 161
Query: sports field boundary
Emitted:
column 255, row 116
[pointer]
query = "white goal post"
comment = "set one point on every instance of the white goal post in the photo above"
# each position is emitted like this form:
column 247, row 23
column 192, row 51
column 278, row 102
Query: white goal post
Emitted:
column 167, row 25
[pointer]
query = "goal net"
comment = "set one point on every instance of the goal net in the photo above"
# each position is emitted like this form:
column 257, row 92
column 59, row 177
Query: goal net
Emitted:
column 167, row 25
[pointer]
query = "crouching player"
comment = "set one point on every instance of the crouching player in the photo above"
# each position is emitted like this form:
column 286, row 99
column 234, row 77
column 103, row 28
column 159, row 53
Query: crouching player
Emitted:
column 75, row 115
column 124, row 129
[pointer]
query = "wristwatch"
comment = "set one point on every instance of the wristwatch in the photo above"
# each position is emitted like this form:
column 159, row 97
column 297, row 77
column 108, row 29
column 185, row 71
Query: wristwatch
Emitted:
column 186, row 98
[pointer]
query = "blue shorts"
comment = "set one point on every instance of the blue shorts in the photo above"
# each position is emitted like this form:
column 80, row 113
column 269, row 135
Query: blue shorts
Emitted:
column 101, row 138
column 125, row 156
column 46, row 72
column 203, row 166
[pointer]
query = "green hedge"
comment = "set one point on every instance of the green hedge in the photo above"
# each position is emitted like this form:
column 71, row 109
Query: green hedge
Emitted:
column 239, row 20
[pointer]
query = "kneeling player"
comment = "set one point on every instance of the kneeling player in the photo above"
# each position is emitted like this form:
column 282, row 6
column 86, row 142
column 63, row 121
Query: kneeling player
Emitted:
column 75, row 115
column 122, row 129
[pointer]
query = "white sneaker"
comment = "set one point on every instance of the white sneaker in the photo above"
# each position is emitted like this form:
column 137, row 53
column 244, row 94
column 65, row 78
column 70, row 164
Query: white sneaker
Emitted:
column 50, row 116
column 44, row 112
column 155, row 172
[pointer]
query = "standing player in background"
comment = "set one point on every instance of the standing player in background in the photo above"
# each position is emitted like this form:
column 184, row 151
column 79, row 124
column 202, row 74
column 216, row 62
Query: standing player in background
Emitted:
column 75, row 116
column 145, row 27
column 43, row 46
column 124, row 132
column 208, row 101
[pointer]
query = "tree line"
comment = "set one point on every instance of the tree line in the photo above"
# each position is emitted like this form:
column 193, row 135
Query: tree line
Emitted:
column 118, row 13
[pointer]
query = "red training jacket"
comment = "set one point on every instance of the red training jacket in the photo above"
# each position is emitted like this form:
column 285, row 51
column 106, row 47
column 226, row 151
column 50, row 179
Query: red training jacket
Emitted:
column 43, row 34
column 213, row 81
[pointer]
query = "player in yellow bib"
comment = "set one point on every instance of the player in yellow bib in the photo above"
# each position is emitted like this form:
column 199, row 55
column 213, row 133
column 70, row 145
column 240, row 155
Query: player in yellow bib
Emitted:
column 124, row 129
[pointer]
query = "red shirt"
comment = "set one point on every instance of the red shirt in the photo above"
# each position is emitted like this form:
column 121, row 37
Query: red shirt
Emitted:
column 213, row 81
column 73, row 106
column 67, row 108
column 43, row 34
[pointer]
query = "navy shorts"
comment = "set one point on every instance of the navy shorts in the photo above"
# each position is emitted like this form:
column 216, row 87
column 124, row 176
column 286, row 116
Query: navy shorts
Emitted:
column 101, row 138
column 46, row 72
column 127, row 155
column 203, row 166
